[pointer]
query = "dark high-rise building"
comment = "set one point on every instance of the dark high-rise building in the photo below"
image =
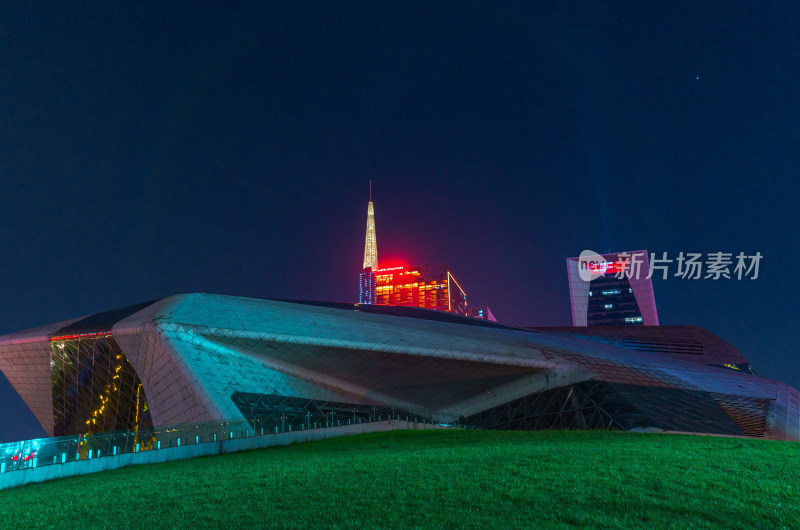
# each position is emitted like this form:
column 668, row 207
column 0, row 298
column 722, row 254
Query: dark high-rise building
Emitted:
column 615, row 291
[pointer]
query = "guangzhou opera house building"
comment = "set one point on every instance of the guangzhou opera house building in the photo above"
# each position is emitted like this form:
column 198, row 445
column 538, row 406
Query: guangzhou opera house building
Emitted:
column 200, row 357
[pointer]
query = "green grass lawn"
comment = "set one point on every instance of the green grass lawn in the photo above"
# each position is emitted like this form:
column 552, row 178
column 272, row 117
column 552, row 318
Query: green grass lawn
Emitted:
column 441, row 479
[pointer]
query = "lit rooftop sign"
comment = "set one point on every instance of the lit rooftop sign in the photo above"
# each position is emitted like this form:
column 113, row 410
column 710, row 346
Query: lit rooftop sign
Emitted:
column 390, row 269
column 592, row 265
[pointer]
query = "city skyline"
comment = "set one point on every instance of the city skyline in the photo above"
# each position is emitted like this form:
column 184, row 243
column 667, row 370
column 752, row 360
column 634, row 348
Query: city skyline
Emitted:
column 154, row 150
column 430, row 287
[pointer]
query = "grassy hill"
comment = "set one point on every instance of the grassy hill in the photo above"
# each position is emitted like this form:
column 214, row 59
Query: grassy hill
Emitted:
column 450, row 479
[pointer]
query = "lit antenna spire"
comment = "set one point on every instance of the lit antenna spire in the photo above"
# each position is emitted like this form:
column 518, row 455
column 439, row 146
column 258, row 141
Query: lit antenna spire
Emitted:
column 371, row 244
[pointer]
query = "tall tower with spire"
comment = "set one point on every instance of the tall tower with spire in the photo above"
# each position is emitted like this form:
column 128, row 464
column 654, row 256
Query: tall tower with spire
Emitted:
column 366, row 283
column 371, row 243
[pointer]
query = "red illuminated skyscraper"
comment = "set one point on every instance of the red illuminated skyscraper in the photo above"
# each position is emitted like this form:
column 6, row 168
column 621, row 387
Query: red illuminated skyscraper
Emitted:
column 431, row 287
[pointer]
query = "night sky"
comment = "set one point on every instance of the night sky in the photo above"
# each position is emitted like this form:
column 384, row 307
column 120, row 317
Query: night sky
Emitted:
column 152, row 150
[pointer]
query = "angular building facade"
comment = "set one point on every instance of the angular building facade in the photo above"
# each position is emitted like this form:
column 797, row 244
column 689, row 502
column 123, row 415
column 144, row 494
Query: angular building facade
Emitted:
column 619, row 293
column 200, row 357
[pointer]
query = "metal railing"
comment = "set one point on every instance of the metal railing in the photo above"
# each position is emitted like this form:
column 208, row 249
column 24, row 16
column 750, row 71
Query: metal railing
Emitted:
column 40, row 452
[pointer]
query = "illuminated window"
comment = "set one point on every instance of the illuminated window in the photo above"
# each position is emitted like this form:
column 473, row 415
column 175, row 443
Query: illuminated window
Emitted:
column 95, row 385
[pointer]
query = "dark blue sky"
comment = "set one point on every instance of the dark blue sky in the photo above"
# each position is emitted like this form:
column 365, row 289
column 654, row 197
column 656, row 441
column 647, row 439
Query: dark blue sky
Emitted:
column 147, row 150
